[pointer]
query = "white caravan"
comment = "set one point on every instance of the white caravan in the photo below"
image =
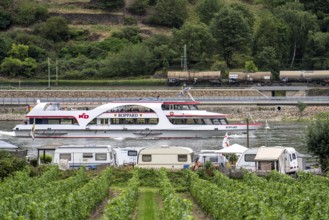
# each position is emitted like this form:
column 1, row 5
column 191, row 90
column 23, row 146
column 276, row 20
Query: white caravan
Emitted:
column 167, row 157
column 216, row 158
column 282, row 159
column 72, row 156
column 247, row 160
column 125, row 156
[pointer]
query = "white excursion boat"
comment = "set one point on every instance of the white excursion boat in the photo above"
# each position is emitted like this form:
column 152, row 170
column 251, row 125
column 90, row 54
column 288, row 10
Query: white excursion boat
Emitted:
column 138, row 119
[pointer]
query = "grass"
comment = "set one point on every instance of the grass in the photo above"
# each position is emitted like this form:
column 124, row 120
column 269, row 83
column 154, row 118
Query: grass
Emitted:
column 148, row 207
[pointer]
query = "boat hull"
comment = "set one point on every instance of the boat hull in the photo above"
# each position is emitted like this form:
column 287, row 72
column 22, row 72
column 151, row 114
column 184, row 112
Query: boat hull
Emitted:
column 126, row 133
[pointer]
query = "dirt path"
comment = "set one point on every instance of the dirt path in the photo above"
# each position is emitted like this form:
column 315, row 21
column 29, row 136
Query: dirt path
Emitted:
column 196, row 210
column 99, row 211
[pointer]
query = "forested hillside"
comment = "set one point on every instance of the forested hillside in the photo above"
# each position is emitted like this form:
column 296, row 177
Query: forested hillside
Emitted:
column 102, row 39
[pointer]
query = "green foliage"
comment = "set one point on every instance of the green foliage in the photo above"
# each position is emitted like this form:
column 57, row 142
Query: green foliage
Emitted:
column 207, row 10
column 9, row 164
column 316, row 55
column 46, row 158
column 317, row 141
column 197, row 39
column 109, row 4
column 138, row 7
column 174, row 206
column 19, row 51
column 232, row 32
column 301, row 107
column 131, row 61
column 29, row 12
column 55, row 28
column 147, row 177
column 250, row 66
column 129, row 33
column 5, row 18
column 121, row 175
column 267, row 60
column 169, row 13
column 123, row 206
column 14, row 67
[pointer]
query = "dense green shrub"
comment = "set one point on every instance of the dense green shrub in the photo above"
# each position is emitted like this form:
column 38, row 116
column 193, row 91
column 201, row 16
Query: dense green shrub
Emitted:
column 29, row 12
column 138, row 7
column 10, row 163
column 5, row 18
column 55, row 28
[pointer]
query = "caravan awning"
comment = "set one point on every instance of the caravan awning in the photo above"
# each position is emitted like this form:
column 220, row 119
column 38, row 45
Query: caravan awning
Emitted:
column 268, row 153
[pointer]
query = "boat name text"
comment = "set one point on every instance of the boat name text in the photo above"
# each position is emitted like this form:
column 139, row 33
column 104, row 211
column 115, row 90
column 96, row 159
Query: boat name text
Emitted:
column 127, row 115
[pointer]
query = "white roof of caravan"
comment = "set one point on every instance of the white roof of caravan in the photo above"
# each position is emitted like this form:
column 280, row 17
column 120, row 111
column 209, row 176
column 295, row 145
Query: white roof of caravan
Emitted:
column 83, row 148
column 6, row 145
column 269, row 153
column 233, row 149
column 166, row 150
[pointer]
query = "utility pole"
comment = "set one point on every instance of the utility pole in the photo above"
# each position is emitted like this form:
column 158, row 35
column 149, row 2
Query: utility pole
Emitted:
column 56, row 72
column 185, row 59
column 48, row 73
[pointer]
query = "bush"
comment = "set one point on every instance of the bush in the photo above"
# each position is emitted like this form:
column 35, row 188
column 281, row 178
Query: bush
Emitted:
column 10, row 164
column 30, row 12
column 138, row 7
column 46, row 158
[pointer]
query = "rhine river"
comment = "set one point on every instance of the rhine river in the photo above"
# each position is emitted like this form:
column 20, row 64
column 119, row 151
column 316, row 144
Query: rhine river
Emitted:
column 289, row 134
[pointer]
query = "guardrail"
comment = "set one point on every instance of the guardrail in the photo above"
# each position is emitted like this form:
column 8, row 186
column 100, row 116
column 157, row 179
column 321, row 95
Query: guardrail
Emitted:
column 316, row 100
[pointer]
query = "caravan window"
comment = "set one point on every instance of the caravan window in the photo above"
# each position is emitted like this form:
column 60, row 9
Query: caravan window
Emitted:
column 132, row 153
column 65, row 157
column 294, row 156
column 100, row 156
column 182, row 157
column 249, row 157
column 87, row 155
column 147, row 158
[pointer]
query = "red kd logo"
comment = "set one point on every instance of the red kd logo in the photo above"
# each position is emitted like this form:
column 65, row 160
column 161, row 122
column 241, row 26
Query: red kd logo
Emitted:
column 84, row 116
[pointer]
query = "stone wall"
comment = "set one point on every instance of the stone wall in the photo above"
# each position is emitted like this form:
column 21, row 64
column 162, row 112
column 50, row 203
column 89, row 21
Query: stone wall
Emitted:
column 86, row 18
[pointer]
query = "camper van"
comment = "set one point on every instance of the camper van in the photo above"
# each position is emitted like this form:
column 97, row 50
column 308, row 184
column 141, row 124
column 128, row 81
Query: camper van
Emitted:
column 247, row 160
column 125, row 156
column 167, row 157
column 73, row 156
column 282, row 159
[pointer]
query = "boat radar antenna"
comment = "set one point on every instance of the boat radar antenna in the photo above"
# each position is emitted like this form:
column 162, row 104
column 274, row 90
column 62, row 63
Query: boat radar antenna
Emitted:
column 186, row 90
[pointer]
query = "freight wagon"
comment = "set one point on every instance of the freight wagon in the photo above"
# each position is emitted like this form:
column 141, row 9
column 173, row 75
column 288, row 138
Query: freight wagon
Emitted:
column 177, row 78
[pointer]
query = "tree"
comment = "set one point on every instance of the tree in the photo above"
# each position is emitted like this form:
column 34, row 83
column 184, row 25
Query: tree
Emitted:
column 317, row 54
column 129, row 33
column 55, row 28
column 317, row 141
column 19, row 51
column 169, row 13
column 132, row 61
column 300, row 24
column 29, row 12
column 9, row 164
column 232, row 33
column 5, row 18
column 198, row 40
column 271, row 43
column 207, row 10
column 250, row 66
column 267, row 60
column 138, row 7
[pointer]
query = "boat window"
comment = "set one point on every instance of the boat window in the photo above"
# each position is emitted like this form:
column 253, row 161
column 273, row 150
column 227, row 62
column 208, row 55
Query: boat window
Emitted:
column 207, row 121
column 100, row 156
column 182, row 158
column 147, row 158
column 249, row 157
column 131, row 108
column 215, row 121
column 223, row 121
column 132, row 153
column 65, row 157
column 165, row 107
column 54, row 121
column 87, row 155
column 193, row 107
column 93, row 122
column 104, row 121
column 213, row 159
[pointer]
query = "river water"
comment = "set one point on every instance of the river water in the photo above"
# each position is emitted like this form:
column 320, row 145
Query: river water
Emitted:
column 289, row 134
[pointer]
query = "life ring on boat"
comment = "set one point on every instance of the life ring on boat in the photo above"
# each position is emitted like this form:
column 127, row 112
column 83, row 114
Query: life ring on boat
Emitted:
column 171, row 113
